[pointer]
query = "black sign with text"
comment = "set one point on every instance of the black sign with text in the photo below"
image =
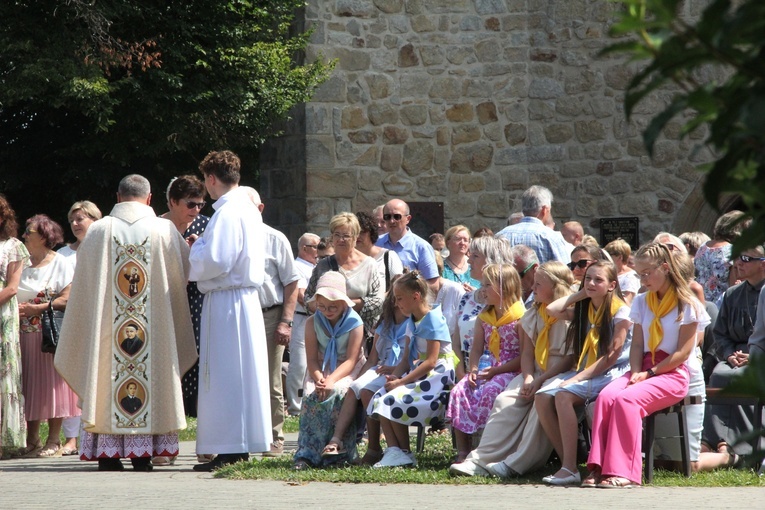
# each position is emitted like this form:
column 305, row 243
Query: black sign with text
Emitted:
column 626, row 228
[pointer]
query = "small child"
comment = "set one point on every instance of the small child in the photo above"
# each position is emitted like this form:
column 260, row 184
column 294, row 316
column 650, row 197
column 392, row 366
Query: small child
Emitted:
column 417, row 396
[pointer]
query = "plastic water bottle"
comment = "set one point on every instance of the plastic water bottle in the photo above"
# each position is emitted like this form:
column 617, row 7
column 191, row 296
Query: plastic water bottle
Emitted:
column 484, row 362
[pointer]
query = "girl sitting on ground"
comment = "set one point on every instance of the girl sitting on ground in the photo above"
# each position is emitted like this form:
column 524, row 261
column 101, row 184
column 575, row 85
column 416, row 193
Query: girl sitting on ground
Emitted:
column 496, row 331
column 333, row 338
column 600, row 334
column 389, row 344
column 414, row 397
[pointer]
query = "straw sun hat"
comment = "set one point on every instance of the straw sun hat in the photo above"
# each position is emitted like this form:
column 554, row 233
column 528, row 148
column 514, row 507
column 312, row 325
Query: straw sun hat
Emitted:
column 332, row 286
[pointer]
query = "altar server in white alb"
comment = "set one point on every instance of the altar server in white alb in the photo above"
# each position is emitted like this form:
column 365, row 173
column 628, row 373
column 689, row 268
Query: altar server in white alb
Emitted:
column 130, row 283
column 228, row 264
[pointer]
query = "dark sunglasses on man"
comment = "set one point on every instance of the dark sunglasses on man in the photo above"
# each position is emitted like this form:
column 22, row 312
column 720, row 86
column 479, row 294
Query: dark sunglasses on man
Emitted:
column 388, row 217
column 747, row 258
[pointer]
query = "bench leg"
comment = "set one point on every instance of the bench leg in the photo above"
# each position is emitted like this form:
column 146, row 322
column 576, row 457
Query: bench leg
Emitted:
column 685, row 443
column 650, row 433
column 420, row 438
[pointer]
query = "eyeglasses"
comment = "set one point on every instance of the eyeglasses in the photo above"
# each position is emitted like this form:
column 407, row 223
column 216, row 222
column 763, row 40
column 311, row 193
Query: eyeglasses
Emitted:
column 330, row 308
column 314, row 246
column 581, row 264
column 747, row 258
column 192, row 205
column 388, row 217
column 528, row 268
column 342, row 237
column 646, row 274
column 30, row 231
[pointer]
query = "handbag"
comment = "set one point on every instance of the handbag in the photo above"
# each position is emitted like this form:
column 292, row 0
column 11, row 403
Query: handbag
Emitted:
column 50, row 321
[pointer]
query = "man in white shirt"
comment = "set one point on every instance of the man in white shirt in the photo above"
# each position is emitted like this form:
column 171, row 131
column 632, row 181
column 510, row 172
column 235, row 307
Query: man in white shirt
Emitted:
column 278, row 297
column 308, row 250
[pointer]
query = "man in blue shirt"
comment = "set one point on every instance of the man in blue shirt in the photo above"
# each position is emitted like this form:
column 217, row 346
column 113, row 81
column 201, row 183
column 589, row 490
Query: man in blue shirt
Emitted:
column 536, row 205
column 414, row 251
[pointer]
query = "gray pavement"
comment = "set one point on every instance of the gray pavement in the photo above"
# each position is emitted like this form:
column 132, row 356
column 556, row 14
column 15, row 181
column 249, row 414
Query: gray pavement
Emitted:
column 67, row 483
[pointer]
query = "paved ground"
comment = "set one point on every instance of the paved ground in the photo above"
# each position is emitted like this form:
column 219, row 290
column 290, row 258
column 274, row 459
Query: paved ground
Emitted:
column 66, row 483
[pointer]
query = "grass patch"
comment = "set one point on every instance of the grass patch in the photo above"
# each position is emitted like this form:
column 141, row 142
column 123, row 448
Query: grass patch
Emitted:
column 190, row 432
column 291, row 424
column 433, row 466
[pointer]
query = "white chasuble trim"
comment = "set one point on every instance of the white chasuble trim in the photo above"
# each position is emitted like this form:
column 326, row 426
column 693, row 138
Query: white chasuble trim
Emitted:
column 131, row 345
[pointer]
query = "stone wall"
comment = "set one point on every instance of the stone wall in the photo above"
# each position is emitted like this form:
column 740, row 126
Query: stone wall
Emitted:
column 469, row 102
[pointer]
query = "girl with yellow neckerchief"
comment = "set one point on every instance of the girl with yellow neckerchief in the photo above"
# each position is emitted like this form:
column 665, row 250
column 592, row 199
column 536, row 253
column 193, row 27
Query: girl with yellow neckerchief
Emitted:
column 496, row 331
column 600, row 334
column 513, row 443
column 666, row 320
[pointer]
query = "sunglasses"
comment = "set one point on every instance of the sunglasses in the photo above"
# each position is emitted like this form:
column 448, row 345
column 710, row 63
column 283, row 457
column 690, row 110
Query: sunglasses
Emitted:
column 581, row 264
column 30, row 231
column 388, row 217
column 747, row 258
column 192, row 205
column 528, row 268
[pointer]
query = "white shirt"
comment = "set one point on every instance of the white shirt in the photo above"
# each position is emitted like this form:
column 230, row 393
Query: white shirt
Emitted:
column 304, row 269
column 642, row 315
column 280, row 268
column 449, row 296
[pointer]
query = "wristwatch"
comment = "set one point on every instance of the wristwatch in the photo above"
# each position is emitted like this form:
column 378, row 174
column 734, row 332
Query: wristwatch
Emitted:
column 288, row 323
column 650, row 372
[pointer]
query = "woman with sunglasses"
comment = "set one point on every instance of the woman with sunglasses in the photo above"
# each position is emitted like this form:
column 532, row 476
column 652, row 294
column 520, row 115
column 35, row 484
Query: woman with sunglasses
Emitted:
column 581, row 258
column 185, row 201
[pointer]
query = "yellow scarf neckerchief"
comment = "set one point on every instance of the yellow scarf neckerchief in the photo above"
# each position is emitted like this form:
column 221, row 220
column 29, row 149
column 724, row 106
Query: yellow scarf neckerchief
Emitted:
column 659, row 310
column 489, row 316
column 542, row 348
column 590, row 347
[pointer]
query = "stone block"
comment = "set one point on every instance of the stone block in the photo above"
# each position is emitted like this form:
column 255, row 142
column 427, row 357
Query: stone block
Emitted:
column 368, row 158
column 357, row 94
column 488, row 50
column 493, row 24
column 612, row 151
column 540, row 110
column 496, row 69
column 443, row 135
column 515, row 133
column 487, row 112
column 416, row 85
column 515, row 111
column 582, row 80
column 637, row 204
column 389, row 6
column 397, row 186
column 317, row 119
column 493, row 132
column 490, row 6
column 353, row 117
column 462, row 112
column 334, row 90
column 380, row 85
column 465, row 134
column 390, row 158
column 422, row 23
column 398, row 24
column 545, row 88
column 664, row 153
column 352, row 60
column 473, row 182
column 558, row 133
column 463, row 206
column 394, row 135
column 320, row 153
column 414, row 114
column 331, row 184
column 524, row 155
column 407, row 56
column 618, row 76
column 472, row 158
column 514, row 179
column 426, row 132
column 319, row 210
column 431, row 55
column 446, row 6
column 588, row 131
column 418, row 157
column 603, row 107
column 432, row 186
column 493, row 205
column 447, row 88
column 355, row 8
column 442, row 160
column 369, row 180
column 568, row 106
column 576, row 170
column 390, row 41
column 477, row 88
column 382, row 113
column 437, row 114
column 457, row 54
column 364, row 137
column 470, row 23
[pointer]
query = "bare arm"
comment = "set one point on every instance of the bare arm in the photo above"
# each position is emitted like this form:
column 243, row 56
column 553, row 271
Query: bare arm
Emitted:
column 561, row 308
column 62, row 299
column 12, row 285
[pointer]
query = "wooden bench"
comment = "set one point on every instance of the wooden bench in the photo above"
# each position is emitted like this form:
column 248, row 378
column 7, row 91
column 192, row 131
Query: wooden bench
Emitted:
column 650, row 435
column 716, row 397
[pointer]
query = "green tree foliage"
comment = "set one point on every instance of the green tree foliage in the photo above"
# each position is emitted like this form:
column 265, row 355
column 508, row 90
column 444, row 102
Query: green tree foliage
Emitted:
column 727, row 40
column 90, row 91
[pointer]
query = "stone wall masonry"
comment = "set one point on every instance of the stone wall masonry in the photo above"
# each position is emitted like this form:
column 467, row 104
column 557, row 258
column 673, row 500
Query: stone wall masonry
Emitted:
column 469, row 102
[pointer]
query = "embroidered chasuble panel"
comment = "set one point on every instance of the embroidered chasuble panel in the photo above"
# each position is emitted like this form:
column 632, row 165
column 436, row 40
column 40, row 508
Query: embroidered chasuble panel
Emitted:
column 131, row 331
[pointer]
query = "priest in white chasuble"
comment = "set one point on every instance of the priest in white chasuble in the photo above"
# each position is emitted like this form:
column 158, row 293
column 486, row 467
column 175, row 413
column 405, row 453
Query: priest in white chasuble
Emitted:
column 127, row 337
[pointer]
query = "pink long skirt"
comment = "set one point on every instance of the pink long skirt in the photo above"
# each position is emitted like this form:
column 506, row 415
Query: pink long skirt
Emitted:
column 46, row 394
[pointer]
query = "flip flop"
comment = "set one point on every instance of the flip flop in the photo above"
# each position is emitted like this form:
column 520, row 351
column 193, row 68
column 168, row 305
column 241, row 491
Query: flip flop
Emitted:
column 616, row 482
column 591, row 480
column 69, row 451
column 333, row 449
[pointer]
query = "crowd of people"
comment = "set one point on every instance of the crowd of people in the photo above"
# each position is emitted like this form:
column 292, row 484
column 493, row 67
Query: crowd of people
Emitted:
column 518, row 341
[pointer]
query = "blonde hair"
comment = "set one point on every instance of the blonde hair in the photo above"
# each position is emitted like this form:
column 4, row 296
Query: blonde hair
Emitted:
column 660, row 253
column 412, row 282
column 453, row 231
column 343, row 219
column 505, row 277
column 588, row 240
column 90, row 209
column 561, row 277
column 619, row 248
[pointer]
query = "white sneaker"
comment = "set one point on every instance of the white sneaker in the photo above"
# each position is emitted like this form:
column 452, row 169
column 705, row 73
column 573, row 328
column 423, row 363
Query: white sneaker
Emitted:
column 412, row 457
column 501, row 470
column 394, row 457
column 467, row 468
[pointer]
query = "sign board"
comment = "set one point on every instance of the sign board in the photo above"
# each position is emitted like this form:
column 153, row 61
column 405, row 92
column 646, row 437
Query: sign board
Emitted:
column 427, row 218
column 626, row 228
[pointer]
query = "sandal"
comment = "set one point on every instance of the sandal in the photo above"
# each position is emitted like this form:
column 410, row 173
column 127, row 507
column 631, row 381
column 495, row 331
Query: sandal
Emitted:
column 30, row 451
column 50, row 450
column 333, row 448
column 616, row 482
column 300, row 465
column 69, row 451
column 733, row 458
column 591, row 480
